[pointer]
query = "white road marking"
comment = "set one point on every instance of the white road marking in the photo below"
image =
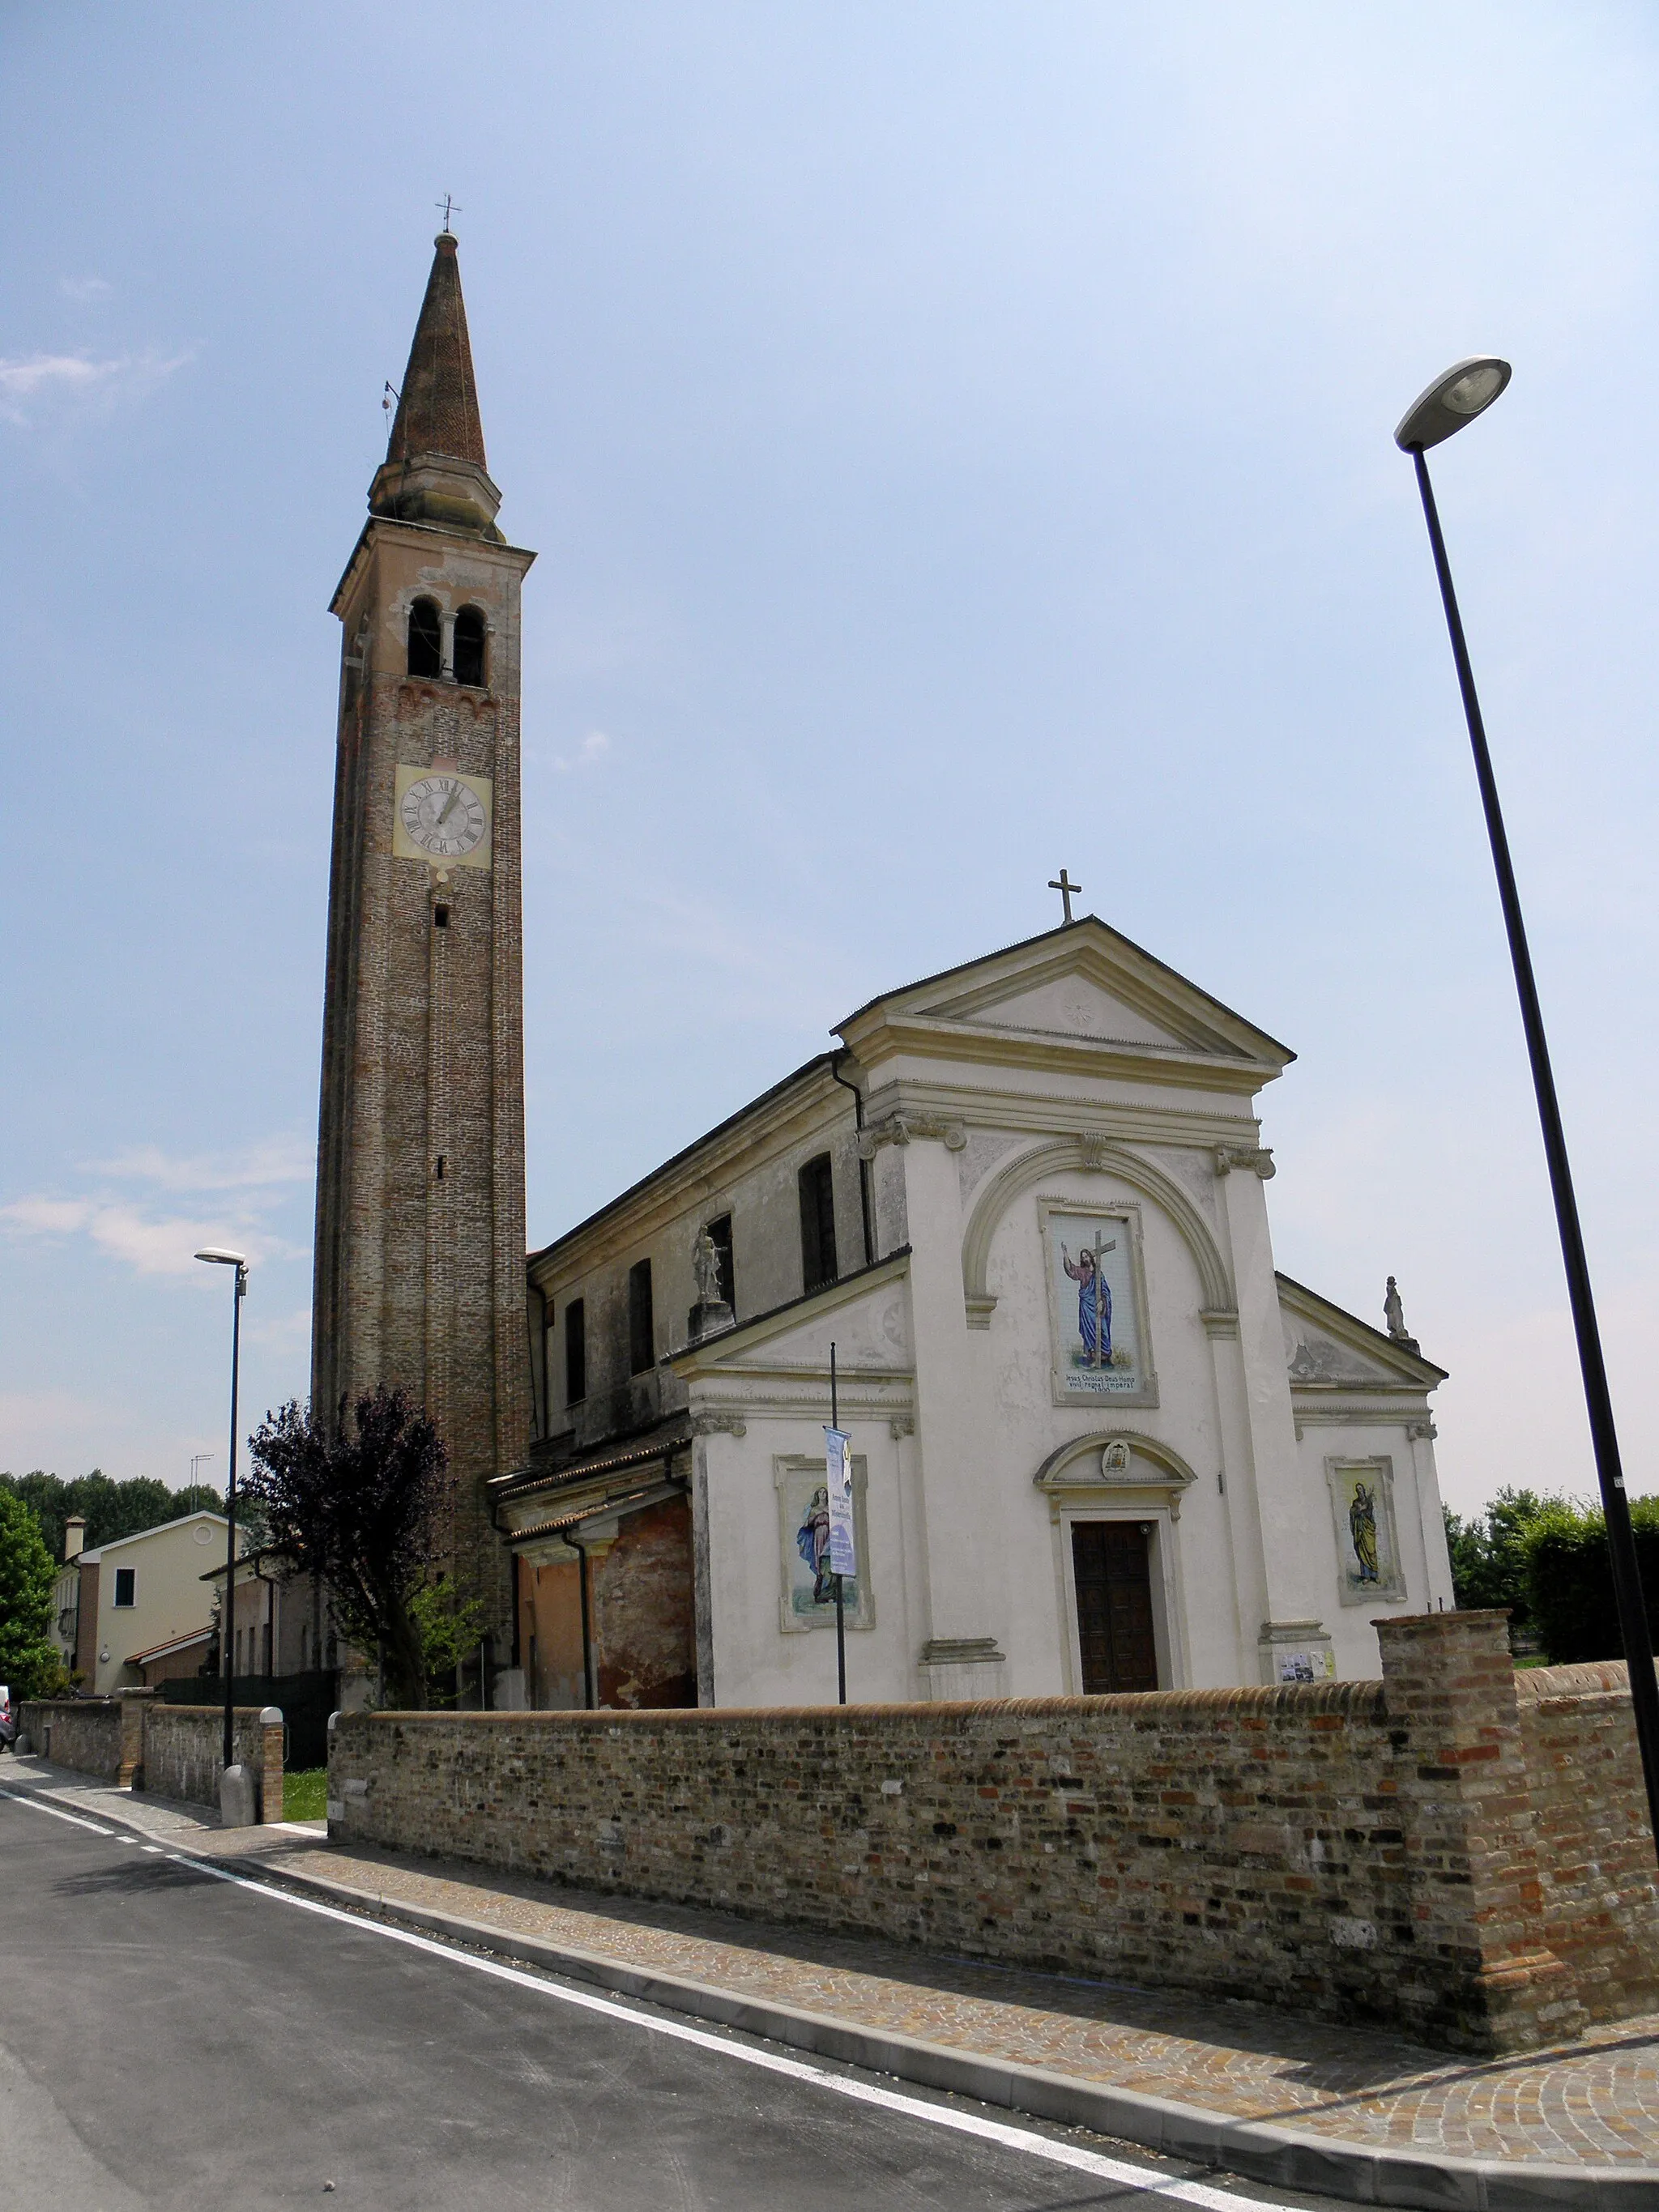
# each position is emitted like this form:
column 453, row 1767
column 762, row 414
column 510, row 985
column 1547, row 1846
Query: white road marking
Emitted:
column 74, row 1820
column 864, row 2092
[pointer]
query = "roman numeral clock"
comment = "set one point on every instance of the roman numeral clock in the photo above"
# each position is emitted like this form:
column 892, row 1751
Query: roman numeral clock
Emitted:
column 441, row 815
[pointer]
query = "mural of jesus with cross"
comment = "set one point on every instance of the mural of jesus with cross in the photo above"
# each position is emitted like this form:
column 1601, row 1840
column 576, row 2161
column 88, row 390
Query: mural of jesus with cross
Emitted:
column 1094, row 1298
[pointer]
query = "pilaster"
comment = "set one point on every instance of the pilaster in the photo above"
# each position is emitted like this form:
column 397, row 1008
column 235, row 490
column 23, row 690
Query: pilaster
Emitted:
column 962, row 1654
column 1485, row 1979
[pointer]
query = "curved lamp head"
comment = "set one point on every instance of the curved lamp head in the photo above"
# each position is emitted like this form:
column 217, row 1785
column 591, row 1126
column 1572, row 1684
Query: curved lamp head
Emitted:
column 225, row 1259
column 1457, row 395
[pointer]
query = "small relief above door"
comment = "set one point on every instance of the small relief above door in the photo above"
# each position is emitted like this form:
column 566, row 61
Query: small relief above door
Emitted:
column 1111, row 1569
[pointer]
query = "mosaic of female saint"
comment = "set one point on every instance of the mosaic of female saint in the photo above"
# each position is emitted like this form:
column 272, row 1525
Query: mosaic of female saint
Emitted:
column 809, row 1581
column 1093, row 1305
column 1361, row 1507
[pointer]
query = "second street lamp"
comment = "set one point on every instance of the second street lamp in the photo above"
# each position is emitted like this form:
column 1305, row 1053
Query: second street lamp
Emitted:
column 221, row 1258
column 1464, row 391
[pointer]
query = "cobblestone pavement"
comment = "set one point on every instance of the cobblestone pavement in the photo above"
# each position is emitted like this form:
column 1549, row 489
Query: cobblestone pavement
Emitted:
column 1595, row 2101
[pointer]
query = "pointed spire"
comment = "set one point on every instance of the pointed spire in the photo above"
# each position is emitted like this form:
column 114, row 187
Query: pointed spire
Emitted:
column 438, row 408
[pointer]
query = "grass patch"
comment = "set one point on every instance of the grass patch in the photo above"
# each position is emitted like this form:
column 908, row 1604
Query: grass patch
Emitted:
column 304, row 1795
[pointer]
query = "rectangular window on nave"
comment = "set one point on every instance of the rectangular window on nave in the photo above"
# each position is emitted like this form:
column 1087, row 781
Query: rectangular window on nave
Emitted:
column 641, row 1330
column 818, row 1224
column 576, row 1353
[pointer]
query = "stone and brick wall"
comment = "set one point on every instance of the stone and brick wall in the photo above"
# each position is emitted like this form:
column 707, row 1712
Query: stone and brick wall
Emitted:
column 183, row 1746
column 95, row 1735
column 1599, row 1908
column 1356, row 1851
column 169, row 1751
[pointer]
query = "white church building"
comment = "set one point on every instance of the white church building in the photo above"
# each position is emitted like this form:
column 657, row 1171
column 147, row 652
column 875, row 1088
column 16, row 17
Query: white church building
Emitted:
column 1098, row 1443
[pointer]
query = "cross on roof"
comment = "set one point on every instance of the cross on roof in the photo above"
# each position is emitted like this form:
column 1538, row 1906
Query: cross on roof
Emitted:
column 1066, row 887
column 448, row 204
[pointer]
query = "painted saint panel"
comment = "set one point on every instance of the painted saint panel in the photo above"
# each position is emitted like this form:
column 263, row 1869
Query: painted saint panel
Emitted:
column 1097, row 1305
column 1367, row 1550
column 808, row 1594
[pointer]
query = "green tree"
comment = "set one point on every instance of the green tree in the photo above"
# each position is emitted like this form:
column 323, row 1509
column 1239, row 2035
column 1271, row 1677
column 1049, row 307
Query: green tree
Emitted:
column 109, row 1509
column 29, row 1664
column 449, row 1627
column 356, row 1505
column 1489, row 1554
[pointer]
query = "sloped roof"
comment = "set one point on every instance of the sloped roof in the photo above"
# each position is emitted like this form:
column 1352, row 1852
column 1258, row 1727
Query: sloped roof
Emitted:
column 438, row 407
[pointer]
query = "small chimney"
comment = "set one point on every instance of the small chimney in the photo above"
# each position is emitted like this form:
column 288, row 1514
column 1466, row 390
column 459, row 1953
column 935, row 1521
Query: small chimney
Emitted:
column 75, row 1535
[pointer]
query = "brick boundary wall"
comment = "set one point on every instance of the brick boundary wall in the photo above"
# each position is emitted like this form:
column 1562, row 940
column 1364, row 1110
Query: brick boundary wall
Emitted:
column 84, row 1733
column 137, row 1742
column 1598, row 1903
column 183, row 1747
column 1356, row 1850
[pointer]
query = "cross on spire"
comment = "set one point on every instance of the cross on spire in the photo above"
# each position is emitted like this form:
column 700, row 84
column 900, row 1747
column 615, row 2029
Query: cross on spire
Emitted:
column 1066, row 887
column 448, row 204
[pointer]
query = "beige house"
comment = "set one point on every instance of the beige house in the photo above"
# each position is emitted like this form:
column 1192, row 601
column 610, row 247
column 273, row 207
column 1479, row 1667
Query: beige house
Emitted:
column 138, row 1596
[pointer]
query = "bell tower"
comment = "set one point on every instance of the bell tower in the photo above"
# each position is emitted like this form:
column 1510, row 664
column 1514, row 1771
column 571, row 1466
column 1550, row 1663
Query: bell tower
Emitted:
column 420, row 1242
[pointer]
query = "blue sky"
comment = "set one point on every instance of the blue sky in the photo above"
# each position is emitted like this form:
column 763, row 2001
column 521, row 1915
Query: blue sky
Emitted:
column 958, row 441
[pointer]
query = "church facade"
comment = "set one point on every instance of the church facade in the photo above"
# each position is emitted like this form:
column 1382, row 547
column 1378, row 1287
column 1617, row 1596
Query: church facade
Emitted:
column 1010, row 1233
column 1098, row 1443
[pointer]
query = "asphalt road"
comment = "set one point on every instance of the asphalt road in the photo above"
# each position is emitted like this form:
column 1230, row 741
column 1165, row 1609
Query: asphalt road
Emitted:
column 170, row 2037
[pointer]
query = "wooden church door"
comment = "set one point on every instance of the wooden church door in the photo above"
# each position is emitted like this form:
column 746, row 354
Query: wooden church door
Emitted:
column 1112, row 1571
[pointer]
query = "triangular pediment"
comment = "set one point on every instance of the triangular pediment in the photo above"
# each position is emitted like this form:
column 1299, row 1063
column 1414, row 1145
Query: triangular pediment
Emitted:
column 1328, row 1348
column 1083, row 986
column 866, row 1317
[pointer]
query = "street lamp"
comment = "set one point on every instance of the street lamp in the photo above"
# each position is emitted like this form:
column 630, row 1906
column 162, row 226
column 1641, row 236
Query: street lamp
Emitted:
column 1466, row 390
column 223, row 1259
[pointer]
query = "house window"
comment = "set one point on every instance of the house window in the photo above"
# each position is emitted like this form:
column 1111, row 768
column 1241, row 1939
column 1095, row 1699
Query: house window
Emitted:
column 818, row 1224
column 641, row 1332
column 126, row 1584
column 576, row 1353
column 468, row 646
column 720, row 1234
column 426, row 639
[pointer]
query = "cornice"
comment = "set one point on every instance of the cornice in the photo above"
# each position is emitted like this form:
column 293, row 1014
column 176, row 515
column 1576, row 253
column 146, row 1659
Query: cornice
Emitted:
column 1053, row 1113
column 885, row 1037
column 389, row 525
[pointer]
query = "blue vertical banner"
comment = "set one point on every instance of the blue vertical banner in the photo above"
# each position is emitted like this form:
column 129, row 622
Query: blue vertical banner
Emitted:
column 838, row 1466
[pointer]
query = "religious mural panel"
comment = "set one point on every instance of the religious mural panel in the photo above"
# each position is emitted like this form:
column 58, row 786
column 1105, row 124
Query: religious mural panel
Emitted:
column 1096, row 1304
column 1367, row 1550
column 808, row 1595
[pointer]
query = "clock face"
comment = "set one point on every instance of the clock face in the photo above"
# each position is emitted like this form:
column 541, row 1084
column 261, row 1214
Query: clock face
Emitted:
column 443, row 815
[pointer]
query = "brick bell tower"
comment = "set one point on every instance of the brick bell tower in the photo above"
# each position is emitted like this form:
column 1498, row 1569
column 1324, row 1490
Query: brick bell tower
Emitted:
column 419, row 1248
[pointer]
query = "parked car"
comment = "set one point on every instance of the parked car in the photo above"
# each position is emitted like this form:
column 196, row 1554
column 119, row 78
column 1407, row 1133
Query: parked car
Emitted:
column 8, row 1719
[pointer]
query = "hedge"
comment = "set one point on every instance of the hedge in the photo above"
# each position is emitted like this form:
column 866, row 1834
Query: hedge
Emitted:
column 1570, row 1580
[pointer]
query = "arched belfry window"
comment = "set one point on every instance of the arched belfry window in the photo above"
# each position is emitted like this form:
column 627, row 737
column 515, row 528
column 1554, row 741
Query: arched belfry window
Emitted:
column 426, row 639
column 468, row 646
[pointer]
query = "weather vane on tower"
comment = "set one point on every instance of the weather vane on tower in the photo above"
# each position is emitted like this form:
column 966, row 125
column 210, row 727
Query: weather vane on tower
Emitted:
column 448, row 202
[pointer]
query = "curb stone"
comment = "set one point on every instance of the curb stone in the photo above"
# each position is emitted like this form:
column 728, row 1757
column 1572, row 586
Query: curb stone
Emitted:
column 1256, row 2150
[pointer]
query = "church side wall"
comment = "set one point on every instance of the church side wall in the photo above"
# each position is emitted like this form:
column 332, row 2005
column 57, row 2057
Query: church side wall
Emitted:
column 1354, row 1850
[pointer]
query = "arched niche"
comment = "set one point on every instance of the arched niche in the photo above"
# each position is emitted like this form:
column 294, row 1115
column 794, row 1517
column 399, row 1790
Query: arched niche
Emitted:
column 1087, row 1155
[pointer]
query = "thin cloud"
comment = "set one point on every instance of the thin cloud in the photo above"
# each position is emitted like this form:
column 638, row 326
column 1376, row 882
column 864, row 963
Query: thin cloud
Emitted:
column 150, row 1247
column 276, row 1160
column 85, row 287
column 44, row 378
column 593, row 748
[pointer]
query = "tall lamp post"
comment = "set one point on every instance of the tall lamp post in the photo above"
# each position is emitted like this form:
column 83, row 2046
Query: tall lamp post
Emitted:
column 236, row 1260
column 1464, row 391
